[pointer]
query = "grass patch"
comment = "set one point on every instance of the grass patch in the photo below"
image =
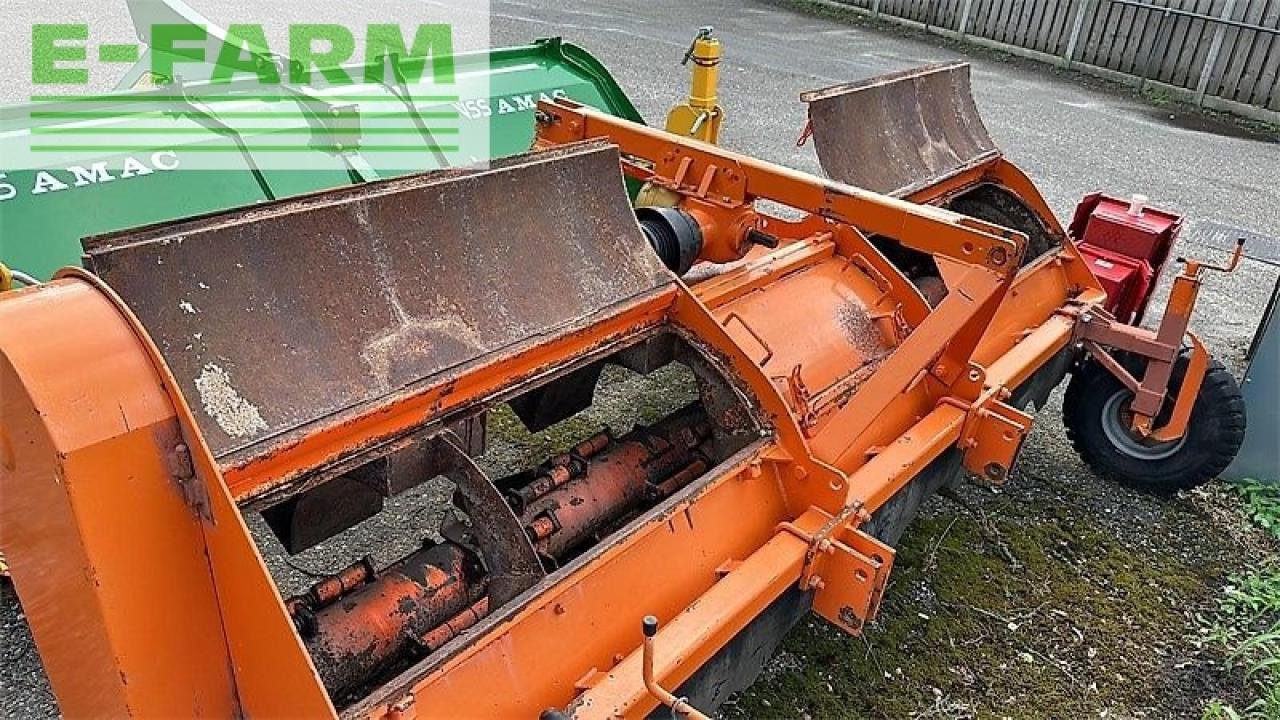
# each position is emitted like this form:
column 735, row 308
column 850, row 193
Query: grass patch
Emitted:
column 1246, row 623
column 1006, row 608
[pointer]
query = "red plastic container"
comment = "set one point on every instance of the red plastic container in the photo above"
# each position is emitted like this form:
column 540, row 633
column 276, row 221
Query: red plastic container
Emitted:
column 1126, row 244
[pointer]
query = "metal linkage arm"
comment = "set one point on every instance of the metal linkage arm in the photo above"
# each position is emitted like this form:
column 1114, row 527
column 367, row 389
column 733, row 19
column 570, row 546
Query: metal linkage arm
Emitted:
column 725, row 180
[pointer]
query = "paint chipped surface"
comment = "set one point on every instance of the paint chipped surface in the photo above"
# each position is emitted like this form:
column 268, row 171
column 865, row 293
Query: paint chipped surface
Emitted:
column 434, row 297
column 236, row 416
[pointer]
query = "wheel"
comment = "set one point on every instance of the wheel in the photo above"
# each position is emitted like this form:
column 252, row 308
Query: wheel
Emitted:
column 1096, row 414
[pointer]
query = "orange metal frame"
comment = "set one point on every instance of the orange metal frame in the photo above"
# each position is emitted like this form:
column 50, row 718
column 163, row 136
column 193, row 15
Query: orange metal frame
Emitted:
column 147, row 595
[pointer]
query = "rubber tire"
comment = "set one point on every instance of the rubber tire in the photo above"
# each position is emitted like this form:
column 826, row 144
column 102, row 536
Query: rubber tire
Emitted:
column 1214, row 433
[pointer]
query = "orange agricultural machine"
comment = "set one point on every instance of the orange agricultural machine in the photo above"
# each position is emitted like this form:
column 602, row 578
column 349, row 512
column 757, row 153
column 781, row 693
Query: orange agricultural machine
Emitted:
column 852, row 344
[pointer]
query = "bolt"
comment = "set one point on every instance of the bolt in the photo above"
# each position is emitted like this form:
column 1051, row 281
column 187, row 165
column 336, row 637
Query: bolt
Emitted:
column 180, row 465
column 975, row 375
column 816, row 582
column 1086, row 318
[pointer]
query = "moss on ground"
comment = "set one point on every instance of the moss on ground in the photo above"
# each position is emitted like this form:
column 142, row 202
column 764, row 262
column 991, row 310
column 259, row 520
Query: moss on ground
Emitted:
column 1001, row 607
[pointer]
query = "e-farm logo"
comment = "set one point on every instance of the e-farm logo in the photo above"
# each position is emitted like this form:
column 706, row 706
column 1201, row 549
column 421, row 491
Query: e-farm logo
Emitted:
column 60, row 53
column 380, row 96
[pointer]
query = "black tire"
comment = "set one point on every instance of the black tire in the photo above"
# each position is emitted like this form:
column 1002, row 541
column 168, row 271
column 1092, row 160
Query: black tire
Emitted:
column 1093, row 411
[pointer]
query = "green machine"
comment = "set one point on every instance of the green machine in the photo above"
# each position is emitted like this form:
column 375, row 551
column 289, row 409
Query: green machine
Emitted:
column 45, row 212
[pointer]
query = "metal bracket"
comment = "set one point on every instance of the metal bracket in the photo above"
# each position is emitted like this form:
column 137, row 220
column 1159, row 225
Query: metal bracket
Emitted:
column 1100, row 332
column 208, row 119
column 992, row 436
column 1187, row 392
column 846, row 568
column 850, row 573
column 724, row 185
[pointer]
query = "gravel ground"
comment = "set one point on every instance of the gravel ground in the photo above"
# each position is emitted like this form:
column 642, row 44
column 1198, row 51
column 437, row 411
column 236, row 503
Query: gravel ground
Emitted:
column 1072, row 135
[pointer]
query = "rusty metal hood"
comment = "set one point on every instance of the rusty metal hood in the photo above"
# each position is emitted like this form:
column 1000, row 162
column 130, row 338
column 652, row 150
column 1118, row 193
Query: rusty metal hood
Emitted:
column 897, row 133
column 279, row 317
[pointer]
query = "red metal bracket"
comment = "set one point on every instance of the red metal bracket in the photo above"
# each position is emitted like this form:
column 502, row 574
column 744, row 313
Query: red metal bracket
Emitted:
column 1101, row 333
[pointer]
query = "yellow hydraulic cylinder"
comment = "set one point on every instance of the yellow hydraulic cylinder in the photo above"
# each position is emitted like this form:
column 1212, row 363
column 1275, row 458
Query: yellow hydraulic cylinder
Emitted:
column 702, row 115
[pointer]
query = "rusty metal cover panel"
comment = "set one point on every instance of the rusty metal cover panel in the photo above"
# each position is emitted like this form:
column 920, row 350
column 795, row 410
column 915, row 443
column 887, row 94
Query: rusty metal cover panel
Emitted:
column 277, row 316
column 897, row 133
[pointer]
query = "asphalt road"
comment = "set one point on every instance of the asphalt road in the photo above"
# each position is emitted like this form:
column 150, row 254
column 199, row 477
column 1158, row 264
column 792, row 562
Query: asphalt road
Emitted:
column 1071, row 137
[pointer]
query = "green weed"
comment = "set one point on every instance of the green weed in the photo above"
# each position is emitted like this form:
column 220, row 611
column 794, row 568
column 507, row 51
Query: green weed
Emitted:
column 1262, row 503
column 1247, row 622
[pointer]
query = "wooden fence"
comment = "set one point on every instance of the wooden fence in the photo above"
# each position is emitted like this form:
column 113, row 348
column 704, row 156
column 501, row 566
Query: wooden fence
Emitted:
column 1223, row 54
